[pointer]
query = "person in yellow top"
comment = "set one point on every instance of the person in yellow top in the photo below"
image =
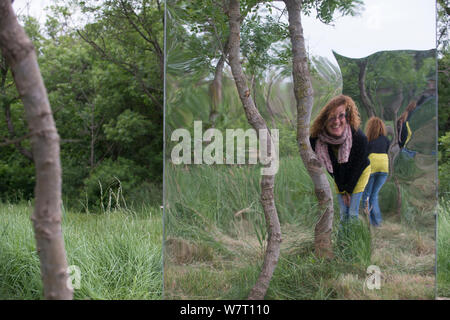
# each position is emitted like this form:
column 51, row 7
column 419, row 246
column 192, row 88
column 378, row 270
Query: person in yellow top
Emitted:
column 341, row 147
column 404, row 129
column 379, row 164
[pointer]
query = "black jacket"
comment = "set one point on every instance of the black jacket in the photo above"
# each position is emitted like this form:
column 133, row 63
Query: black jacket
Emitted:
column 403, row 135
column 346, row 175
column 379, row 145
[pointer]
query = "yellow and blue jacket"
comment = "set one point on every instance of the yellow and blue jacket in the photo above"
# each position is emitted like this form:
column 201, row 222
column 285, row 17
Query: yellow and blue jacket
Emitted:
column 378, row 154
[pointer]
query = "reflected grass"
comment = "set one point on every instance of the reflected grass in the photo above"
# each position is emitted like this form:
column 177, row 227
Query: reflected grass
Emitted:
column 215, row 249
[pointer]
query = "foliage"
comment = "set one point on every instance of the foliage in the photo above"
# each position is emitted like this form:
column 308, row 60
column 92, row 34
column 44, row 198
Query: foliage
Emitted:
column 263, row 43
column 18, row 178
column 107, row 185
column 104, row 85
column 444, row 164
column 444, row 92
column 128, row 127
column 326, row 9
column 389, row 75
column 443, row 23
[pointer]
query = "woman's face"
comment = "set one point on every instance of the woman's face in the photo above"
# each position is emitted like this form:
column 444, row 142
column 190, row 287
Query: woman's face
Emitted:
column 336, row 122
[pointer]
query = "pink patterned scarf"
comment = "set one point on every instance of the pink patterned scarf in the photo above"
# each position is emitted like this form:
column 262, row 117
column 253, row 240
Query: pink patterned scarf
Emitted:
column 344, row 142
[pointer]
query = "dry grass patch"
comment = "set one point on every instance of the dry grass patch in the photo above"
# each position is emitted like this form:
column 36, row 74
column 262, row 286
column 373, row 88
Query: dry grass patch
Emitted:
column 393, row 287
column 182, row 251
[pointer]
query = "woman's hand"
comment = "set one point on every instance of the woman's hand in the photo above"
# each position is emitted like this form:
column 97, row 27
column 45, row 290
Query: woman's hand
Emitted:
column 347, row 197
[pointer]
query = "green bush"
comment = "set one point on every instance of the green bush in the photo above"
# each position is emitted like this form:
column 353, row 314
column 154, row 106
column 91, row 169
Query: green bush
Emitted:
column 17, row 178
column 109, row 184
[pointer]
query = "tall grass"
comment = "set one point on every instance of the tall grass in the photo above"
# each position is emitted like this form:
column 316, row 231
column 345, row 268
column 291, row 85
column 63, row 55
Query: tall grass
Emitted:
column 443, row 250
column 216, row 236
column 118, row 254
column 206, row 194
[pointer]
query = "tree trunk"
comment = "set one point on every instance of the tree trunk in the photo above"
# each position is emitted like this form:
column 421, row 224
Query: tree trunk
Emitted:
column 92, row 145
column 216, row 86
column 268, row 105
column 367, row 103
column 267, row 181
column 304, row 100
column 19, row 53
column 394, row 150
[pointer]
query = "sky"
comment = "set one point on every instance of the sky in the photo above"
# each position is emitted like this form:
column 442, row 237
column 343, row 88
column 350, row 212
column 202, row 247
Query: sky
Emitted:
column 383, row 25
column 32, row 7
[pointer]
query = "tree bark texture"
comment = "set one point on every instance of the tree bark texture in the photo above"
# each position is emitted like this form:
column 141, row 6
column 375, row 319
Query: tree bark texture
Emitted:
column 267, row 181
column 368, row 105
column 216, row 86
column 394, row 150
column 303, row 92
column 20, row 55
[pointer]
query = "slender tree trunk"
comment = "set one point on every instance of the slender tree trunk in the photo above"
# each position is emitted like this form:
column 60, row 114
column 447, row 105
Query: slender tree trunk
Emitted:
column 92, row 127
column 268, row 105
column 304, row 99
column 19, row 53
column 394, row 150
column 367, row 103
column 216, row 86
column 267, row 181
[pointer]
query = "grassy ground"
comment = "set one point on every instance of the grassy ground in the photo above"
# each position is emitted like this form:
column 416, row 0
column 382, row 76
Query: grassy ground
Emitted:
column 215, row 240
column 118, row 253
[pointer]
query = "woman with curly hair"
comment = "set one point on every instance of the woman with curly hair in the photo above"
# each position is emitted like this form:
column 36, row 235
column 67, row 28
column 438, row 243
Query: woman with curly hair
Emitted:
column 379, row 163
column 341, row 147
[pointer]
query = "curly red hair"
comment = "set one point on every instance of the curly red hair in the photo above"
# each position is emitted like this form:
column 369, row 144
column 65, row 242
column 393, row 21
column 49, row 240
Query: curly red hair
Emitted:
column 351, row 110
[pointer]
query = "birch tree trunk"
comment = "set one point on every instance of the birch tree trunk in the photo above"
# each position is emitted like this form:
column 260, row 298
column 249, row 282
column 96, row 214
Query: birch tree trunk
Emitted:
column 304, row 100
column 20, row 55
column 267, row 181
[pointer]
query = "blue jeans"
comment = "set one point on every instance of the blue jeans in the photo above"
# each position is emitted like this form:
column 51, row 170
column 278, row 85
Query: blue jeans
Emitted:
column 373, row 187
column 409, row 153
column 351, row 212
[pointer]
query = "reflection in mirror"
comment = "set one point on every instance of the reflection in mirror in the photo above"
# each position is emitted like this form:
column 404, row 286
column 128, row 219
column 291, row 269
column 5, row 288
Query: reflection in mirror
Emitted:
column 399, row 87
column 215, row 228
